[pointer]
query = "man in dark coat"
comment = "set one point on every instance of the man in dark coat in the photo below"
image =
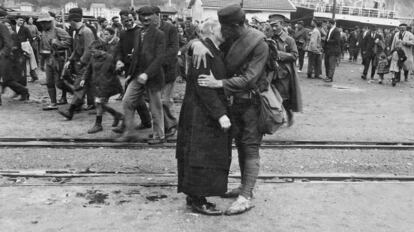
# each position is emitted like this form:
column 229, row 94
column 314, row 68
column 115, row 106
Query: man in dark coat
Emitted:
column 123, row 57
column 354, row 44
column 170, row 71
column 146, row 75
column 287, row 82
column 301, row 37
column 24, row 35
column 370, row 47
column 204, row 142
column 246, row 56
column 332, row 50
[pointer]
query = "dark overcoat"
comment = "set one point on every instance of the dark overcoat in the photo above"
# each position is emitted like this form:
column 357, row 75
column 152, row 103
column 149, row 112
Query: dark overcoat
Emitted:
column 148, row 57
column 333, row 43
column 203, row 148
column 100, row 73
column 6, row 44
column 171, row 52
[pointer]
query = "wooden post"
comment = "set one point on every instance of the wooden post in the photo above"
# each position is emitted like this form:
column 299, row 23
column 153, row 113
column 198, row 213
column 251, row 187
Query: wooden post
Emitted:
column 334, row 9
column 241, row 3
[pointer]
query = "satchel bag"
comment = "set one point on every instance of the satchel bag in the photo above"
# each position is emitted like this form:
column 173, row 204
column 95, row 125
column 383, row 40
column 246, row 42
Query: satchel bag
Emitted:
column 272, row 112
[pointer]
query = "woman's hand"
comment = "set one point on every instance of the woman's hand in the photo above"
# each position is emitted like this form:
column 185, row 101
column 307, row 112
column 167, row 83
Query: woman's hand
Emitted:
column 209, row 81
column 225, row 123
column 200, row 53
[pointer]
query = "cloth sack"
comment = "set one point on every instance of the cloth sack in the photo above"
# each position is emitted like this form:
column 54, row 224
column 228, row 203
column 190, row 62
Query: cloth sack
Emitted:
column 272, row 112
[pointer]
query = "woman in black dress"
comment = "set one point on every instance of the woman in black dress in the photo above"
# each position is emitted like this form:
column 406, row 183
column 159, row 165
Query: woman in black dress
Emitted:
column 203, row 143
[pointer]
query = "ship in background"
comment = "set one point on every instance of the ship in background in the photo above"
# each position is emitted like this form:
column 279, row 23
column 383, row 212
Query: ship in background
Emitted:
column 349, row 13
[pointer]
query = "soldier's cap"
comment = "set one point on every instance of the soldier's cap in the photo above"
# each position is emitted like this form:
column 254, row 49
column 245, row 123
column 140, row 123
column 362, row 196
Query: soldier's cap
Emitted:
column 75, row 14
column 403, row 25
column 156, row 10
column 3, row 13
column 301, row 22
column 45, row 18
column 275, row 18
column 145, row 11
column 231, row 14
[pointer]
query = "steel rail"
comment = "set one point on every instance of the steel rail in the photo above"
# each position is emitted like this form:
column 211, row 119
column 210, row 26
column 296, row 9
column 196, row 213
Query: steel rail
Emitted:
column 80, row 143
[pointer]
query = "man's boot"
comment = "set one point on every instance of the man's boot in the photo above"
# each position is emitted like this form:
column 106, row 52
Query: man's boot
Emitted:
column 97, row 127
column 34, row 76
column 68, row 114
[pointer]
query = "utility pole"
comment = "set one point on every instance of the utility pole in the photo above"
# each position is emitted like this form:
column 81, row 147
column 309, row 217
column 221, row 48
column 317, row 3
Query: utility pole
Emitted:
column 334, row 9
column 242, row 3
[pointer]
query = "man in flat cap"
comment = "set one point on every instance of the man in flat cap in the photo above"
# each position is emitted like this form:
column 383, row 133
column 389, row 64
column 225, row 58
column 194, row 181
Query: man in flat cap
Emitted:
column 246, row 53
column 54, row 43
column 146, row 76
column 287, row 82
column 82, row 38
column 170, row 71
column 405, row 40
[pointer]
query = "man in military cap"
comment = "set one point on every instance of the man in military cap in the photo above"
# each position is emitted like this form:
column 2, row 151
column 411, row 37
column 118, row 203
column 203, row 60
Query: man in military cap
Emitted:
column 54, row 43
column 82, row 38
column 146, row 76
column 287, row 82
column 246, row 54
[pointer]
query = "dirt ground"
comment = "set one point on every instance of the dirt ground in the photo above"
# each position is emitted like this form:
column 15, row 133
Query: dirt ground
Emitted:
column 322, row 207
column 348, row 109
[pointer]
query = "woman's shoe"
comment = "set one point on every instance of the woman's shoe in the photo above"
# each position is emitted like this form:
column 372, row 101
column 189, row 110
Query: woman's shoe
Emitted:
column 52, row 106
column 202, row 206
column 234, row 193
column 117, row 119
column 241, row 205
column 95, row 129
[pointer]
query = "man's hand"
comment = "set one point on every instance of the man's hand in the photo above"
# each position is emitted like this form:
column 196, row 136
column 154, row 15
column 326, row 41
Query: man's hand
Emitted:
column 82, row 83
column 209, row 81
column 66, row 66
column 119, row 65
column 128, row 78
column 225, row 123
column 142, row 79
column 200, row 52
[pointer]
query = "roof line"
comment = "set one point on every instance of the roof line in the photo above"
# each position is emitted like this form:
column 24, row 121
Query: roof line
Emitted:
column 257, row 9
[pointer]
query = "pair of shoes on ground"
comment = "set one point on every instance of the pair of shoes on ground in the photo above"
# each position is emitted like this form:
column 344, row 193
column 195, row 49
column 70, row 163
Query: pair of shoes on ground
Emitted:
column 98, row 127
column 328, row 79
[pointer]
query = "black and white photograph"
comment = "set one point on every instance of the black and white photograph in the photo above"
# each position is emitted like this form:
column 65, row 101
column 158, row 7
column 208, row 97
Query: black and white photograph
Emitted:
column 206, row 115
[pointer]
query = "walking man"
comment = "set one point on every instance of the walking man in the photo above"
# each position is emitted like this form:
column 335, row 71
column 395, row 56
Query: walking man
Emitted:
column 146, row 76
column 370, row 48
column 405, row 40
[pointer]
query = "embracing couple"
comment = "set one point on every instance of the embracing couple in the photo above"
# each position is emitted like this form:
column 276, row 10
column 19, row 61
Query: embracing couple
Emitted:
column 218, row 106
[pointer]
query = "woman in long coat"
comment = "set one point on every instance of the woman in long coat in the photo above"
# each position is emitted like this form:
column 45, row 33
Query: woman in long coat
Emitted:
column 203, row 144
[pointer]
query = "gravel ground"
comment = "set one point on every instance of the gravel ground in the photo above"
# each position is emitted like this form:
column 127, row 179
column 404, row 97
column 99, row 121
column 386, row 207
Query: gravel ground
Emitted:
column 292, row 161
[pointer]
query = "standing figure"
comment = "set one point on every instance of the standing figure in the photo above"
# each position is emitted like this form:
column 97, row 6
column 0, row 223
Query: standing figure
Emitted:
column 332, row 50
column 315, row 51
column 300, row 37
column 398, row 59
column 204, row 142
column 354, row 44
column 405, row 40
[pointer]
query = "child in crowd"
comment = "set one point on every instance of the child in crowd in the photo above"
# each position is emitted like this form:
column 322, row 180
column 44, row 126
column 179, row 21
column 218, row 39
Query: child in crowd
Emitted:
column 101, row 74
column 398, row 58
column 383, row 67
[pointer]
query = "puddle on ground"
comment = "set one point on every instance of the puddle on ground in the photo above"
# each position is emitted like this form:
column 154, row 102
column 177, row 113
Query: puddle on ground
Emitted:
column 347, row 88
column 94, row 197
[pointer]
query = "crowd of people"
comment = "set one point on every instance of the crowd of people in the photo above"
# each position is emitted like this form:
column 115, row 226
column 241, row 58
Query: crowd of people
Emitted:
column 385, row 50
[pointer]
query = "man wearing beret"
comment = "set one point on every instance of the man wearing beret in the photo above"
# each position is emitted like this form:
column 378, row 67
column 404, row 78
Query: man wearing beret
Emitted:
column 405, row 40
column 82, row 38
column 170, row 71
column 246, row 54
column 146, row 76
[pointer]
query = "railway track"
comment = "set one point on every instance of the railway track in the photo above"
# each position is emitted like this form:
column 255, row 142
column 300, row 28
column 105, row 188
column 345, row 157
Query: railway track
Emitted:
column 80, row 143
